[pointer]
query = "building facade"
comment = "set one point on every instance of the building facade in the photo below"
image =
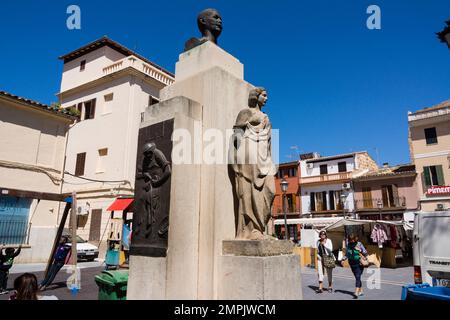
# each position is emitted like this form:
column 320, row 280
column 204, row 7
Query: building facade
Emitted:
column 429, row 142
column 110, row 86
column 326, row 183
column 33, row 141
column 289, row 171
column 389, row 193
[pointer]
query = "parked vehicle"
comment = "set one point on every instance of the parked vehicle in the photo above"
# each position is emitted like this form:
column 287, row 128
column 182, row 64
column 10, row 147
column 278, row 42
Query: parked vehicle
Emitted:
column 431, row 248
column 85, row 250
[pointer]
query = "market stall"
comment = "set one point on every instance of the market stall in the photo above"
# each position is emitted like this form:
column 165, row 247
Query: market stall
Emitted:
column 386, row 241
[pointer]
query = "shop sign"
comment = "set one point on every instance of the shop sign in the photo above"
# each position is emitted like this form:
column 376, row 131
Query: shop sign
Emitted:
column 438, row 191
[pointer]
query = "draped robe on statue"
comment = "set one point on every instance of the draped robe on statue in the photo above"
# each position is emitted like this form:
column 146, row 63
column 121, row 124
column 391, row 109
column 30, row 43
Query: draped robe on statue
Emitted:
column 254, row 173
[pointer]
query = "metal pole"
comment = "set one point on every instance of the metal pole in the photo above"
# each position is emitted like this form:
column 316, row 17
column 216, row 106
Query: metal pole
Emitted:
column 285, row 216
column 73, row 226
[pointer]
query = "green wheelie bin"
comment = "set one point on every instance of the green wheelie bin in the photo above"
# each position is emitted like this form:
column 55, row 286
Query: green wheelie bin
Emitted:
column 112, row 285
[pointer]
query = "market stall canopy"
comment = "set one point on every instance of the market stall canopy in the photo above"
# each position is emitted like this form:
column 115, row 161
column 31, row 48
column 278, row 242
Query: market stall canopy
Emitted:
column 120, row 204
column 339, row 225
column 319, row 222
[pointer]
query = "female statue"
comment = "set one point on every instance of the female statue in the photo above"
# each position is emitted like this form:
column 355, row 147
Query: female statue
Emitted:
column 253, row 167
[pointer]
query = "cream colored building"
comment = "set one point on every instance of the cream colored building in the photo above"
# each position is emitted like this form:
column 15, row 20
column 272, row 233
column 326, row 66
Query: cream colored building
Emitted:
column 111, row 86
column 33, row 140
column 429, row 141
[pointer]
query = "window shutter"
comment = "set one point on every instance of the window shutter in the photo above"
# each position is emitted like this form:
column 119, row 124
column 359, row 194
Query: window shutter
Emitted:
column 331, row 196
column 79, row 166
column 427, row 177
column 397, row 202
column 424, row 185
column 324, row 200
column 312, row 201
column 92, row 114
column 440, row 176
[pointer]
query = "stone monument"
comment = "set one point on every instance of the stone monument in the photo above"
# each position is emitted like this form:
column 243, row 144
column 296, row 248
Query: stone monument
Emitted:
column 202, row 258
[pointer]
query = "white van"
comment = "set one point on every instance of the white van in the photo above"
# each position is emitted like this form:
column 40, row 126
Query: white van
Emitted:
column 431, row 248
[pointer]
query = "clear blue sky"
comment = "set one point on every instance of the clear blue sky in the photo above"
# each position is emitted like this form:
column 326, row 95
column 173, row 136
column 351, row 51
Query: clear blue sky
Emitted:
column 334, row 86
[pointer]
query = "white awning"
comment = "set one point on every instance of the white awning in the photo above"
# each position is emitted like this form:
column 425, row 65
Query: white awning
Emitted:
column 320, row 222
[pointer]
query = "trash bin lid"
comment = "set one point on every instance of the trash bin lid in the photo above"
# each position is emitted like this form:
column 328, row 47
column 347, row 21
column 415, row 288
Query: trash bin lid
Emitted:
column 434, row 293
column 113, row 277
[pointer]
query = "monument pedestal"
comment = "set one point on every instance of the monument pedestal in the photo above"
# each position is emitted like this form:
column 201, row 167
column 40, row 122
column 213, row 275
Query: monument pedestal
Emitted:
column 204, row 101
column 259, row 270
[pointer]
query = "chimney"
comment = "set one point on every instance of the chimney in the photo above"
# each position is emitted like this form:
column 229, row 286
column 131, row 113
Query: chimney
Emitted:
column 386, row 165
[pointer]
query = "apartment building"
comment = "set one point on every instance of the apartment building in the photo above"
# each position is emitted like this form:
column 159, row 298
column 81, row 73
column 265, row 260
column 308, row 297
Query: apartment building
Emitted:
column 389, row 193
column 33, row 141
column 429, row 142
column 326, row 183
column 109, row 86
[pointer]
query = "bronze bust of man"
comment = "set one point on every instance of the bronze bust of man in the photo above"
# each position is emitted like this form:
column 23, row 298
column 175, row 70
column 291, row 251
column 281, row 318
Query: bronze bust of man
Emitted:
column 209, row 23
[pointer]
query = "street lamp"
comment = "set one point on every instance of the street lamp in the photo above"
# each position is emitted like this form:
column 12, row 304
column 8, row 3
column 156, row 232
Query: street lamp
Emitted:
column 444, row 35
column 380, row 205
column 284, row 187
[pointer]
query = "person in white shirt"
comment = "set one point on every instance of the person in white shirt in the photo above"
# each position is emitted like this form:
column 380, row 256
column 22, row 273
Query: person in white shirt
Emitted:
column 324, row 247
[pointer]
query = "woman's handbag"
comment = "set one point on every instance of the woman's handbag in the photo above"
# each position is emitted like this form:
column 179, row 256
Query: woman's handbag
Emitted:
column 363, row 261
column 329, row 261
column 328, row 258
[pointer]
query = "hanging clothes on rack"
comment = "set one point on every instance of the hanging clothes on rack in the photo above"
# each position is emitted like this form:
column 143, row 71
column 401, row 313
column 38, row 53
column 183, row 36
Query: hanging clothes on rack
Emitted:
column 393, row 241
column 379, row 235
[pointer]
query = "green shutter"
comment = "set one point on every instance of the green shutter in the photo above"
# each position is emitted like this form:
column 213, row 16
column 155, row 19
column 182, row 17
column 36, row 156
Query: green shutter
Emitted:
column 440, row 176
column 427, row 177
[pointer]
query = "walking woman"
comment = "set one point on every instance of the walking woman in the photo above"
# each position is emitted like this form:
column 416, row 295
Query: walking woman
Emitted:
column 326, row 261
column 355, row 253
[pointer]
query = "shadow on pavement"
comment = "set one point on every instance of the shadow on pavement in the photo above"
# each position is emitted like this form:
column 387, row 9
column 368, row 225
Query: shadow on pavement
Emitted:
column 345, row 292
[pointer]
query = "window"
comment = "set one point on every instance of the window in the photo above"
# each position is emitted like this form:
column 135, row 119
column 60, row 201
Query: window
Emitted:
column 367, row 197
column 431, row 136
column 318, row 201
column 334, row 200
column 290, row 202
column 291, row 172
column 79, row 166
column 14, row 213
column 108, row 98
column 323, row 169
column 82, row 65
column 390, row 196
column 96, row 222
column 142, row 116
column 342, row 166
column 89, row 109
column 433, row 176
column 102, row 153
column 152, row 100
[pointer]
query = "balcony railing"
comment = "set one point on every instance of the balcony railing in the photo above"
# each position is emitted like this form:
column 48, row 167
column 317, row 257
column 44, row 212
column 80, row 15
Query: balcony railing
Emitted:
column 140, row 65
column 14, row 232
column 326, row 178
column 380, row 204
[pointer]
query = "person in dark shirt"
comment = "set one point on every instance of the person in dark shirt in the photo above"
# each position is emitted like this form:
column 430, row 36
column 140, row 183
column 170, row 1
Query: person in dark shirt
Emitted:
column 6, row 262
column 62, row 255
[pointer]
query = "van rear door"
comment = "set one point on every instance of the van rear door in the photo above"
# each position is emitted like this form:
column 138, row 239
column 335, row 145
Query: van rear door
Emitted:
column 434, row 246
